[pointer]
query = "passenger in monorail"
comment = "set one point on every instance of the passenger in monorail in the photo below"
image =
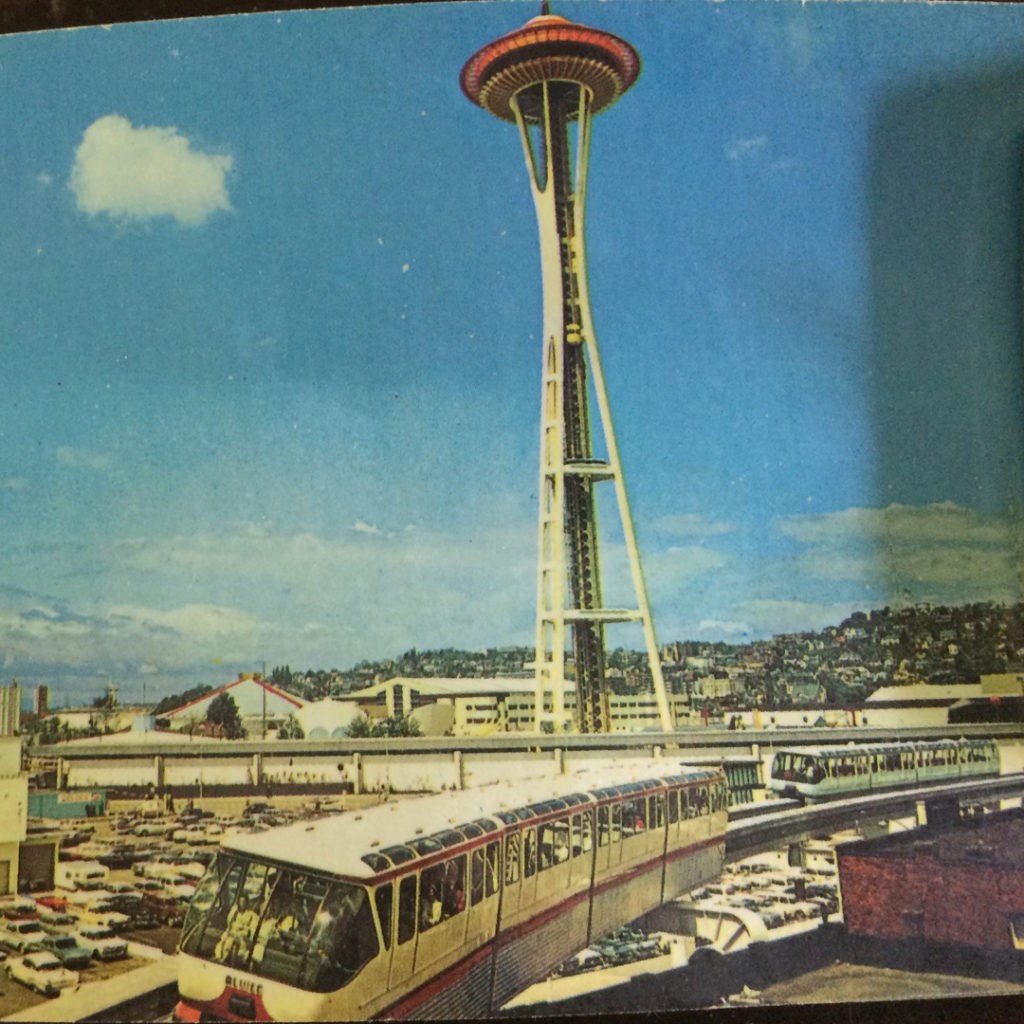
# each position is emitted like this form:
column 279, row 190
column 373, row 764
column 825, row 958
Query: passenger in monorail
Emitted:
column 240, row 931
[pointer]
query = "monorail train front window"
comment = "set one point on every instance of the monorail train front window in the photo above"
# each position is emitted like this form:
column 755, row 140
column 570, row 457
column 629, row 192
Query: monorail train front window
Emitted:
column 281, row 924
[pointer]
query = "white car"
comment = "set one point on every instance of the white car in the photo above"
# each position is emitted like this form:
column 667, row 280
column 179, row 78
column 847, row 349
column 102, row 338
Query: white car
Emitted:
column 101, row 942
column 86, row 897
column 17, row 906
column 105, row 916
column 42, row 972
column 22, row 935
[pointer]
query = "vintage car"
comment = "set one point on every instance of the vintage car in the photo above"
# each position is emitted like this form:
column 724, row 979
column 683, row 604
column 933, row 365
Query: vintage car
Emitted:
column 42, row 972
column 101, row 942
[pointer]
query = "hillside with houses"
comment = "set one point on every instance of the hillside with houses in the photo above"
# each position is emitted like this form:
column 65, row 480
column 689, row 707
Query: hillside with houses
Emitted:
column 841, row 664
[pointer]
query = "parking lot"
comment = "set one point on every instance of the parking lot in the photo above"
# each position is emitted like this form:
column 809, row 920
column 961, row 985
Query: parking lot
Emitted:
column 131, row 875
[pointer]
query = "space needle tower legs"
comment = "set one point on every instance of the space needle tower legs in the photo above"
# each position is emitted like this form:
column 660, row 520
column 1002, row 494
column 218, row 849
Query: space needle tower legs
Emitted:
column 550, row 77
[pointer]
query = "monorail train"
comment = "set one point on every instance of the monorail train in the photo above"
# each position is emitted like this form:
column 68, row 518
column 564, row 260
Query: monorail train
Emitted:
column 442, row 906
column 826, row 773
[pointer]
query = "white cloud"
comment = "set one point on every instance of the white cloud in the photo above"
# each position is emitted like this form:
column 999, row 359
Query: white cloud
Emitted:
column 77, row 458
column 940, row 551
column 360, row 527
column 742, row 149
column 134, row 173
column 722, row 628
column 916, row 524
column 109, row 639
column 691, row 525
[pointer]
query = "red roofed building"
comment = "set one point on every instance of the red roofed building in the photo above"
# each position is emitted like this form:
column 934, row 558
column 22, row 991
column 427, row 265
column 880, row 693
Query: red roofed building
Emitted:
column 256, row 699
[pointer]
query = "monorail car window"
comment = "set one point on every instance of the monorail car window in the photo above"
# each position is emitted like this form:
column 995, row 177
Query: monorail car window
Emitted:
column 529, row 853
column 453, row 898
column 656, row 811
column 343, row 938
column 673, row 806
column 484, row 872
column 384, row 898
column 701, row 800
column 634, row 814
column 399, row 854
column 282, row 924
column 428, row 844
column 616, row 828
column 513, row 842
column 406, row 909
column 431, row 890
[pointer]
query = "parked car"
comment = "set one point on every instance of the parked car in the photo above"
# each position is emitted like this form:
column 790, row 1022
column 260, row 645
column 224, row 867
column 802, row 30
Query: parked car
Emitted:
column 67, row 950
column 106, row 916
column 50, row 915
column 42, row 972
column 152, row 828
column 588, row 960
column 124, row 891
column 17, row 907
column 101, row 942
column 120, row 856
column 170, row 910
column 54, row 902
column 21, row 935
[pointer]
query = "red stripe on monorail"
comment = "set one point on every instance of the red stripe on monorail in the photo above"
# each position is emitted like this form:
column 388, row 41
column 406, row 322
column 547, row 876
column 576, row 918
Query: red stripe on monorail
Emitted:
column 419, row 996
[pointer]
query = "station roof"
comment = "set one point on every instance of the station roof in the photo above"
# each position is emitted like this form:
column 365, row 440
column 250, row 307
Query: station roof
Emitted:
column 919, row 693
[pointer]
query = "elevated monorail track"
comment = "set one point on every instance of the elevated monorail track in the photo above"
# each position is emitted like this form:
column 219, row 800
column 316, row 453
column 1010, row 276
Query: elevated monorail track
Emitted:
column 670, row 743
column 749, row 834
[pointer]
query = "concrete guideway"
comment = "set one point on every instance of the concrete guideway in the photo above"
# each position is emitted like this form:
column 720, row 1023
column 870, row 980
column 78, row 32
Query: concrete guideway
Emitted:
column 768, row 831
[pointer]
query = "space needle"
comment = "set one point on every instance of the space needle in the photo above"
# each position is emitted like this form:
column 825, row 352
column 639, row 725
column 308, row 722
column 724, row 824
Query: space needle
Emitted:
column 550, row 77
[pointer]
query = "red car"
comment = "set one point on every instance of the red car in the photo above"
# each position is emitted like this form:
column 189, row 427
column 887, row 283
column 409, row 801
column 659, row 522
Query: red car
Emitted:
column 53, row 902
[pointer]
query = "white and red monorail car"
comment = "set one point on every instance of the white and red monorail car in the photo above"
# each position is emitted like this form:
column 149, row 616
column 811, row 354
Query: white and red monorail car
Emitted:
column 444, row 906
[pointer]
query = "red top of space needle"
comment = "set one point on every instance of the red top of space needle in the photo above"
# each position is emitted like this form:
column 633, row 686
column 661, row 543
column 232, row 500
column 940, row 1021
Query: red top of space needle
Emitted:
column 548, row 48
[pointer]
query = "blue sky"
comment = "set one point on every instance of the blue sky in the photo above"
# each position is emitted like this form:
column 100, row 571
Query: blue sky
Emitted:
column 271, row 311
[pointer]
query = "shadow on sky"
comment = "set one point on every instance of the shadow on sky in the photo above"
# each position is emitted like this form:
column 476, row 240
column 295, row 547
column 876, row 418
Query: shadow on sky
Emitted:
column 943, row 233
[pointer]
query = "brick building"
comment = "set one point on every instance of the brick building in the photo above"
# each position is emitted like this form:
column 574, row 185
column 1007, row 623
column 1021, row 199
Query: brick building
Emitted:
column 958, row 885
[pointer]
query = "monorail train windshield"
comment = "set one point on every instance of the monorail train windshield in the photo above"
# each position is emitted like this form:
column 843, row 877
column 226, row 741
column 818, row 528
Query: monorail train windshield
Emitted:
column 796, row 767
column 281, row 924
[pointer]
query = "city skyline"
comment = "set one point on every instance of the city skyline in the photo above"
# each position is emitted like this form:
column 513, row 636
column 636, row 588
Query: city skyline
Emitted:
column 272, row 331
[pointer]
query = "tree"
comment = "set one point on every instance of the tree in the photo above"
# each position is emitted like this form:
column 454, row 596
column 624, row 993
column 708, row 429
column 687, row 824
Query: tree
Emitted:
column 178, row 700
column 359, row 728
column 398, row 725
column 223, row 712
column 291, row 729
column 362, row 728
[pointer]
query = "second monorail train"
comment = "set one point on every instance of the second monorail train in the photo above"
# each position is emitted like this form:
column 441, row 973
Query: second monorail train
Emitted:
column 828, row 773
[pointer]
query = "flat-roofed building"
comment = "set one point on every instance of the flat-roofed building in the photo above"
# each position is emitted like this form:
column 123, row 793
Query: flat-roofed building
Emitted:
column 961, row 884
column 481, row 706
column 10, row 710
column 13, row 811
